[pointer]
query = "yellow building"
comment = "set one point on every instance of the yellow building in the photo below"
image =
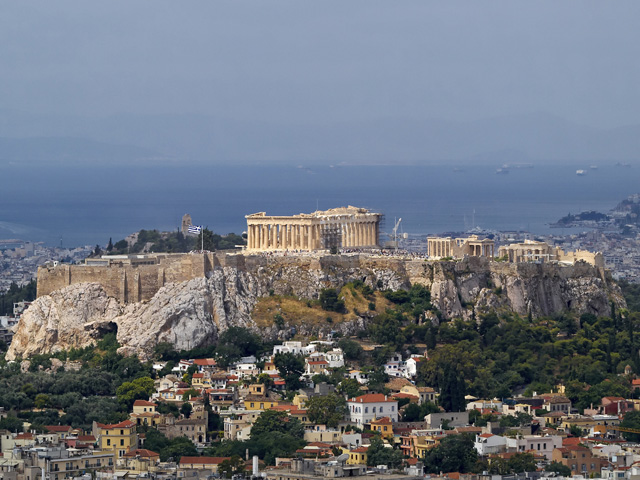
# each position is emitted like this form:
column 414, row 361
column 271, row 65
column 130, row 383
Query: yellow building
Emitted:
column 200, row 381
column 258, row 398
column 383, row 425
column 357, row 456
column 144, row 413
column 140, row 461
column 119, row 437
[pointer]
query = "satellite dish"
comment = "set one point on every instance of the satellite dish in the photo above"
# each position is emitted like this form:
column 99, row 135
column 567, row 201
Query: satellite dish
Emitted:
column 343, row 458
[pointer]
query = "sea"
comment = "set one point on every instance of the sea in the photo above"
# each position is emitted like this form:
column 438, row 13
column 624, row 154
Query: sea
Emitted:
column 88, row 205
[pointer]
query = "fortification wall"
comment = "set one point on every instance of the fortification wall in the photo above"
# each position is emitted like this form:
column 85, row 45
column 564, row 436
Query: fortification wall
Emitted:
column 140, row 283
column 127, row 283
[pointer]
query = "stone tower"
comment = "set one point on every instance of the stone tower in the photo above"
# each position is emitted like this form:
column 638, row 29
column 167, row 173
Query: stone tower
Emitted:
column 186, row 223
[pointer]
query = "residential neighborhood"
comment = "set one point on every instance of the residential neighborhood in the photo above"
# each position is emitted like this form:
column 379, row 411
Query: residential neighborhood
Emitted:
column 388, row 432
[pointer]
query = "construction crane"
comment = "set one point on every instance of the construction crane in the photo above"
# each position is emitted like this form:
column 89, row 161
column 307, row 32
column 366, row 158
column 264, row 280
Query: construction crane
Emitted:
column 394, row 236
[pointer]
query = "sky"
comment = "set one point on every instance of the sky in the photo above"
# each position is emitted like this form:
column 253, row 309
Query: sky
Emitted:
column 325, row 62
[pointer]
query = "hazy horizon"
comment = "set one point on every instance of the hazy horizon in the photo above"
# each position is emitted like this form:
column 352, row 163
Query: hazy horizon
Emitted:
column 417, row 81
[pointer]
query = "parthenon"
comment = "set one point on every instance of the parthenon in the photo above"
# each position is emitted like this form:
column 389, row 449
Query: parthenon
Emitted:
column 348, row 227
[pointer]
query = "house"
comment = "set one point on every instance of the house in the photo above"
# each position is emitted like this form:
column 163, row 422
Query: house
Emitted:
column 144, row 413
column 221, row 399
column 452, row 419
column 195, row 429
column 335, row 358
column 238, row 426
column 205, row 364
column 579, row 459
column 62, row 431
column 363, row 409
column 315, row 367
column 294, row 347
column 201, row 381
column 259, row 398
column 553, row 402
column 412, row 364
column 357, row 456
column 536, row 444
column 202, row 463
column 315, row 450
column 119, row 437
column 383, row 425
column 488, row 444
column 361, row 377
column 139, row 461
column 427, row 394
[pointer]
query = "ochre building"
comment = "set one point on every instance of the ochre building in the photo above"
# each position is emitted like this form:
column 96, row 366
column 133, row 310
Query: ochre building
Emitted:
column 346, row 227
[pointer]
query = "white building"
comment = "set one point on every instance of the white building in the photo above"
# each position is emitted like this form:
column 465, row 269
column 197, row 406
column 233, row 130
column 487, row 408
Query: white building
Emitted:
column 368, row 407
column 488, row 444
column 541, row 445
column 411, row 365
column 294, row 347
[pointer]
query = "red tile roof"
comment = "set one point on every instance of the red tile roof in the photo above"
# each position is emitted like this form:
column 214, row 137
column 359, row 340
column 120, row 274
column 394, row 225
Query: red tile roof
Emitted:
column 205, row 362
column 58, row 428
column 143, row 403
column 125, row 424
column 372, row 398
column 142, row 452
column 203, row 460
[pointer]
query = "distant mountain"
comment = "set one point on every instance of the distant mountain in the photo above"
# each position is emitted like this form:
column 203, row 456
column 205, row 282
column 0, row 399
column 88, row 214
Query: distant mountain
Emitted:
column 535, row 138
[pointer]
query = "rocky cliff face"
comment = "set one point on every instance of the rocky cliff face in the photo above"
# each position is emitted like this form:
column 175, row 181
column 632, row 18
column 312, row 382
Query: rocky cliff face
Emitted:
column 194, row 312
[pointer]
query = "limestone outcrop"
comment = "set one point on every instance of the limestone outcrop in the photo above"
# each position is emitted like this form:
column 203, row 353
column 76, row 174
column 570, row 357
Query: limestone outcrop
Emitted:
column 194, row 312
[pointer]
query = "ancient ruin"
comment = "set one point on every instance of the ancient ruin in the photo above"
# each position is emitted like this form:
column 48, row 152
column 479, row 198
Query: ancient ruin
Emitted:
column 538, row 252
column 348, row 227
column 442, row 247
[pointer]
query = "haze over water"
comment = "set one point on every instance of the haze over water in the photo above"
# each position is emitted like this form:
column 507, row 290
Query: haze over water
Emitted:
column 88, row 205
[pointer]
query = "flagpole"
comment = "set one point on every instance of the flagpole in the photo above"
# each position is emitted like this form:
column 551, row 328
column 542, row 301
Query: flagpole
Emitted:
column 202, row 234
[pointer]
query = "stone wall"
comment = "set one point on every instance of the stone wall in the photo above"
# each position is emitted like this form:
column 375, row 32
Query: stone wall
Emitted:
column 127, row 283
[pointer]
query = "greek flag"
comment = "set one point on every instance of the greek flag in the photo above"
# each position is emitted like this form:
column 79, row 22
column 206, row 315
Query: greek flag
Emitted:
column 194, row 229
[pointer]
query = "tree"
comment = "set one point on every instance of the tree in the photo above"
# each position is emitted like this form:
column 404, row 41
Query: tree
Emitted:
column 186, row 409
column 326, row 410
column 379, row 454
column 559, row 468
column 329, row 300
column 455, row 453
column 233, row 466
column 273, row 421
column 522, row 462
column 631, row 420
column 290, row 367
column 138, row 389
column 349, row 387
column 13, row 424
column 109, row 245
column 452, row 391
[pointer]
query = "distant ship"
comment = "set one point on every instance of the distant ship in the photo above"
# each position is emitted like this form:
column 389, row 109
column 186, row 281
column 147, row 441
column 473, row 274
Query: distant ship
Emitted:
column 593, row 167
column 580, row 173
column 503, row 170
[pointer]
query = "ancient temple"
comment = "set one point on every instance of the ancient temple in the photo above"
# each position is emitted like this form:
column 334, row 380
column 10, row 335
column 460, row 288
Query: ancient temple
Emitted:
column 344, row 227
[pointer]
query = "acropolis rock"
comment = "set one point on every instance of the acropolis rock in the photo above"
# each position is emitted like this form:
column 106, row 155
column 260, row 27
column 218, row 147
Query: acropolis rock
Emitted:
column 195, row 310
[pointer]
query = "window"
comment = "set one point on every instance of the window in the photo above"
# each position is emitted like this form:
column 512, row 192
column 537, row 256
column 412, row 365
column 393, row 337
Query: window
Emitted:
column 366, row 410
column 122, row 442
column 108, row 442
column 374, row 409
